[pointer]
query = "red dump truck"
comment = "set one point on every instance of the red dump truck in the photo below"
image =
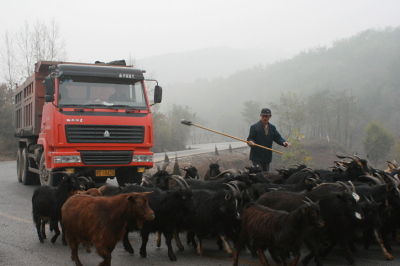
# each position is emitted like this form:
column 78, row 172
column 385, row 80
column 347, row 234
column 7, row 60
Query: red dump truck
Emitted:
column 93, row 120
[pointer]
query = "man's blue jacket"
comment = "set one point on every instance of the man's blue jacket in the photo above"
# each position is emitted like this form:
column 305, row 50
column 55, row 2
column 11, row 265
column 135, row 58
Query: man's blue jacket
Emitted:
column 257, row 135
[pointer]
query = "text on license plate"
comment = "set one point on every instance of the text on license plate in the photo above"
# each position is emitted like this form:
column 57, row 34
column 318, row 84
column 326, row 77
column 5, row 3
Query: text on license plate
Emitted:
column 105, row 172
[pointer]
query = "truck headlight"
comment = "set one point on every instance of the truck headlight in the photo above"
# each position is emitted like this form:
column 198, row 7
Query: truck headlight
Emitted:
column 142, row 158
column 67, row 159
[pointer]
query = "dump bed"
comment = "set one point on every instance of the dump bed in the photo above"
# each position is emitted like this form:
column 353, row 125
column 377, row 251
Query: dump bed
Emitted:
column 29, row 100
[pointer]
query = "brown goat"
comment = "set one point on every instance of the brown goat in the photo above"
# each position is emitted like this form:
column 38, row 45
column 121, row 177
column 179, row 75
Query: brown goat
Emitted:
column 102, row 221
column 95, row 192
column 276, row 230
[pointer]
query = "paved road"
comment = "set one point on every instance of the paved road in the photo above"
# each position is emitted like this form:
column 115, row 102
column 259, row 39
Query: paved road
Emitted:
column 19, row 244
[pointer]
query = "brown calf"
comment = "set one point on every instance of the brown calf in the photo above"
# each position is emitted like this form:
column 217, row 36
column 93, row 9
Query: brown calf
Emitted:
column 102, row 221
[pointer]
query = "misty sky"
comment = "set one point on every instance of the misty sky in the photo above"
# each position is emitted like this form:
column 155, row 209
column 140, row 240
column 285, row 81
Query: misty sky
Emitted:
column 109, row 30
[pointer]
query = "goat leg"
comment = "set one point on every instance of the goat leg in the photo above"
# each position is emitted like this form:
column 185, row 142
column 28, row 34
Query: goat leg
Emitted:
column 296, row 258
column 227, row 246
column 199, row 248
column 39, row 226
column 158, row 239
column 178, row 240
column 261, row 257
column 43, row 231
column 168, row 241
column 127, row 245
column 378, row 238
column 54, row 225
column 145, row 239
column 347, row 253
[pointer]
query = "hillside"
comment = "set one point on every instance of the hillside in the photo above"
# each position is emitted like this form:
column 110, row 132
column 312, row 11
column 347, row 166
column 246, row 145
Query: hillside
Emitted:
column 365, row 66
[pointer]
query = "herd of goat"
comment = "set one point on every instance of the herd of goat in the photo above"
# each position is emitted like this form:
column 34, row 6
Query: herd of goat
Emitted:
column 284, row 212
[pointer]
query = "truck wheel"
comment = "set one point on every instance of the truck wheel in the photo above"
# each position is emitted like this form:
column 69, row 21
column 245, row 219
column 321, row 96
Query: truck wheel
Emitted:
column 19, row 164
column 129, row 177
column 46, row 178
column 27, row 178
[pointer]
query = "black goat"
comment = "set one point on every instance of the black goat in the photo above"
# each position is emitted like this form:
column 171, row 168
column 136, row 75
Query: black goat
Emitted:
column 353, row 171
column 213, row 170
column 339, row 211
column 47, row 202
column 371, row 225
column 86, row 182
column 277, row 230
column 305, row 179
column 217, row 212
column 172, row 209
column 190, row 172
column 389, row 197
column 283, row 173
column 161, row 177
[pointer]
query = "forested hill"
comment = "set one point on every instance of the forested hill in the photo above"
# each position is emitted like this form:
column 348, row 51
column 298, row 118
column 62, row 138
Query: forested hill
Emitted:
column 366, row 66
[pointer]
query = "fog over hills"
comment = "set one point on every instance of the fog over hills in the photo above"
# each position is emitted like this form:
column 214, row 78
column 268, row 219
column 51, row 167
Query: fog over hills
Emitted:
column 210, row 63
column 214, row 83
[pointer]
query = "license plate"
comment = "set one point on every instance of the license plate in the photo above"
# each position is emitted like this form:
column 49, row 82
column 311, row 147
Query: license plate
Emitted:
column 105, row 172
column 141, row 169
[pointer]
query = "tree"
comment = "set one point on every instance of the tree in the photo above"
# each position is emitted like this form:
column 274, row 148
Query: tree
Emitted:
column 296, row 154
column 30, row 44
column 291, row 112
column 251, row 112
column 7, row 142
column 378, row 142
column 169, row 133
column 396, row 150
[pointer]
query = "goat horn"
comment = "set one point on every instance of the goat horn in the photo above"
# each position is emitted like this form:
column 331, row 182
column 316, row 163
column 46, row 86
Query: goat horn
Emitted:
column 309, row 200
column 345, row 157
column 182, row 184
column 395, row 181
column 366, row 199
column 234, row 183
column 182, row 180
column 83, row 178
column 345, row 186
column 372, row 199
column 380, row 178
column 352, row 186
column 234, row 190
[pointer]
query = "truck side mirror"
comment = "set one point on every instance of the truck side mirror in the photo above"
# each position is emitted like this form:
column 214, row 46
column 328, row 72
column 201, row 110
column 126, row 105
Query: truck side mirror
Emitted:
column 157, row 94
column 49, row 86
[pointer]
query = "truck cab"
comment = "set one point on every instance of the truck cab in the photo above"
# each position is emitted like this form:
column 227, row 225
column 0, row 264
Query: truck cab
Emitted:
column 96, row 121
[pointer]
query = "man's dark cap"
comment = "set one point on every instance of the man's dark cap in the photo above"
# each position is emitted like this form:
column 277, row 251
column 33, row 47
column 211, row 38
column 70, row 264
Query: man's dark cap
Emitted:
column 265, row 111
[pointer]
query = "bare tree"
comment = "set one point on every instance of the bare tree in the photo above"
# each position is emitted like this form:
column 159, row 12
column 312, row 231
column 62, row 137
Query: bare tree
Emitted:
column 29, row 45
column 8, row 57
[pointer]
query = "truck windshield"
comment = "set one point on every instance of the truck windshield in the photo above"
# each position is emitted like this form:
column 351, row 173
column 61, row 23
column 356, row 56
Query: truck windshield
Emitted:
column 99, row 94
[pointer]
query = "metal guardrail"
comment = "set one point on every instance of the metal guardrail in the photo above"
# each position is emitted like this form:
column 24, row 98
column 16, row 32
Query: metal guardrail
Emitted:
column 198, row 149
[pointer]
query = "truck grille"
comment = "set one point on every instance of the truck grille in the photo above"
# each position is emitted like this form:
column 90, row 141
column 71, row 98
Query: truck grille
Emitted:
column 106, row 157
column 104, row 134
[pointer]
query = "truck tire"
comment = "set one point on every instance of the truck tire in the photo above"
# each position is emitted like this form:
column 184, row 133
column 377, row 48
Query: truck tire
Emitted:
column 129, row 176
column 46, row 177
column 19, row 165
column 27, row 178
